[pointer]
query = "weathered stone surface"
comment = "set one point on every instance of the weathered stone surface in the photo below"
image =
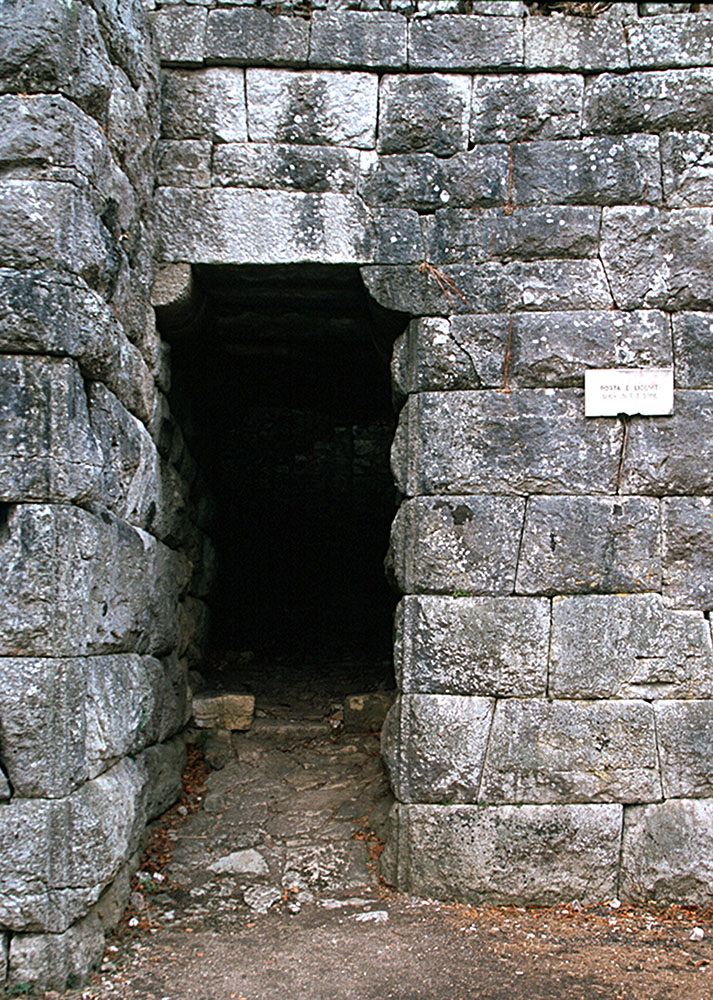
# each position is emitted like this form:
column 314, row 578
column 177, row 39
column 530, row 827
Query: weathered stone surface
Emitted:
column 571, row 751
column 693, row 344
column 424, row 181
column 685, row 736
column 70, row 849
column 48, row 45
column 72, row 583
column 229, row 710
column 529, row 234
column 658, row 258
column 592, row 171
column 54, row 226
column 160, row 767
column 508, row 108
column 465, row 43
column 180, row 35
column 545, row 349
column 193, row 624
column 183, row 163
column 204, row 104
column 687, row 526
column 628, row 646
column 246, row 862
column 686, row 40
column 66, row 720
column 667, row 853
column 56, row 961
column 427, row 113
column 575, row 43
column 272, row 227
column 433, row 746
column 456, row 545
column 330, row 108
column 487, row 646
column 132, row 128
column 48, row 450
column 490, row 288
column 648, row 102
column 687, row 162
column 255, row 38
column 302, row 168
column 4, row 952
column 135, row 483
column 669, row 454
column 590, row 545
column 503, row 854
column 371, row 39
column 517, row 442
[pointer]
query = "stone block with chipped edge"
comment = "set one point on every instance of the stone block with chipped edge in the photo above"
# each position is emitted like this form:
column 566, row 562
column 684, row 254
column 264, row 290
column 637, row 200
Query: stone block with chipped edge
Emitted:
column 486, row 646
column 456, row 545
column 426, row 113
column 368, row 40
column 204, row 104
column 465, row 42
column 662, row 101
column 514, row 108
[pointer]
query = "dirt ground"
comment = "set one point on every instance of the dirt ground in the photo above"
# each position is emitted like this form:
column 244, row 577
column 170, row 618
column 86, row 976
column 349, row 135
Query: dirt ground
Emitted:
column 262, row 884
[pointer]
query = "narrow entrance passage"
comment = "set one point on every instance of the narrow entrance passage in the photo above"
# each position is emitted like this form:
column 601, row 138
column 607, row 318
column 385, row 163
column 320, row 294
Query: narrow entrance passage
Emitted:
column 283, row 390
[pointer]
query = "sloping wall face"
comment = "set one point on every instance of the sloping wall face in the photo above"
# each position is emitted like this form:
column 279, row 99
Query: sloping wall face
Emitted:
column 536, row 191
column 100, row 543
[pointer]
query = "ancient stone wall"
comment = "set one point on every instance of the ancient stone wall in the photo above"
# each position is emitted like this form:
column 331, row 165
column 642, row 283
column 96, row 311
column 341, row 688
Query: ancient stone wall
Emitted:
column 100, row 538
column 535, row 191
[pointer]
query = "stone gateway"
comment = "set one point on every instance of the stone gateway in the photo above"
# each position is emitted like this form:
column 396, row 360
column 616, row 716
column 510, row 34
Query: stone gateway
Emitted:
column 516, row 195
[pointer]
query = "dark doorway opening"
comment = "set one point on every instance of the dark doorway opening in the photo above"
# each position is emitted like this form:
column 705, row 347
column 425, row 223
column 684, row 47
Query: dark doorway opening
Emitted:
column 282, row 385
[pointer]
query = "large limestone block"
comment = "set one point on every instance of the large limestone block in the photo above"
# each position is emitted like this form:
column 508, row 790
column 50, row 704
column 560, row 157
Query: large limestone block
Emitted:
column 461, row 42
column 433, row 746
column 529, row 234
column 316, row 108
column 590, row 545
column 687, row 528
column 274, row 227
column 571, row 751
column 56, row 961
column 506, row 855
column 255, row 38
column 369, row 39
column 667, row 853
column 160, row 767
column 685, row 40
column 670, row 454
column 41, row 314
column 693, row 344
column 69, row 850
column 575, row 43
column 672, row 99
column 49, row 45
column 628, row 646
column 184, row 162
column 611, row 170
column 532, row 286
column 180, row 35
column 659, row 259
column 456, row 545
column 685, row 735
column 522, row 442
column 66, row 720
column 545, row 349
column 508, row 108
column 470, row 179
column 487, row 646
column 425, row 113
column 687, row 163
column 230, row 710
column 54, row 225
column 72, row 583
column 297, row 167
column 48, row 450
column 135, row 483
column 204, row 104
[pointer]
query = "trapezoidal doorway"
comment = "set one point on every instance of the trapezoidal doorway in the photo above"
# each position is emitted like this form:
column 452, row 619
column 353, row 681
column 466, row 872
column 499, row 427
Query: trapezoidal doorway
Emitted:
column 281, row 385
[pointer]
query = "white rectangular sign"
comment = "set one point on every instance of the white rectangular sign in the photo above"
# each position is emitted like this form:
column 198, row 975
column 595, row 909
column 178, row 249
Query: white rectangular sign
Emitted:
column 609, row 391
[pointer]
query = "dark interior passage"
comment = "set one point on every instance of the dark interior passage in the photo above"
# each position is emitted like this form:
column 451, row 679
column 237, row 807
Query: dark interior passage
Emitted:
column 283, row 388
